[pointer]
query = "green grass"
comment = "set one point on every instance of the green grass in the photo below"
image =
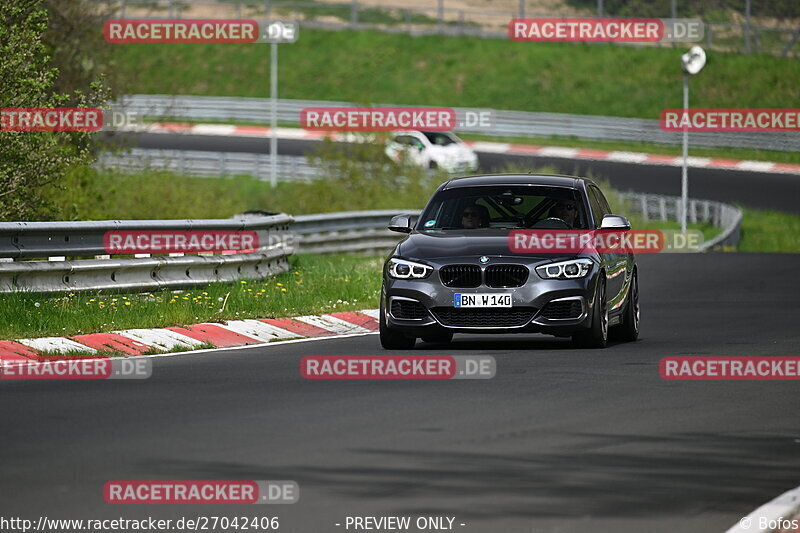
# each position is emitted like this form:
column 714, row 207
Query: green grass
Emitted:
column 96, row 195
column 462, row 72
column 316, row 284
column 770, row 231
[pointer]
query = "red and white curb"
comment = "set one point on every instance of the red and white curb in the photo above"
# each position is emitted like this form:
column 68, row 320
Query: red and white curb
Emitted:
column 776, row 515
column 231, row 334
column 640, row 158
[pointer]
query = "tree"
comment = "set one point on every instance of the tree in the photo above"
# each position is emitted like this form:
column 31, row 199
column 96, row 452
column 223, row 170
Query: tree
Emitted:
column 74, row 39
column 32, row 160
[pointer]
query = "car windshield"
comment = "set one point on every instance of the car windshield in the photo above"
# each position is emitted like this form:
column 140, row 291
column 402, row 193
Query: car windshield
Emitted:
column 438, row 138
column 504, row 207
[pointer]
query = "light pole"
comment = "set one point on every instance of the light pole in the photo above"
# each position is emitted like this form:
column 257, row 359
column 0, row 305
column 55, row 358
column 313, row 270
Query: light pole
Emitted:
column 692, row 62
column 273, row 127
column 276, row 32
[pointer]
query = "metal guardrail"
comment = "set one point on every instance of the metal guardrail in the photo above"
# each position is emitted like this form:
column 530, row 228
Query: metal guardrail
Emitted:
column 503, row 123
column 353, row 231
column 665, row 208
column 208, row 164
column 441, row 17
column 67, row 244
column 349, row 231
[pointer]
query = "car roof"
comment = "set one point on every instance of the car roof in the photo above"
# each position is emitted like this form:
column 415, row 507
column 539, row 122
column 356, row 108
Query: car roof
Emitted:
column 552, row 180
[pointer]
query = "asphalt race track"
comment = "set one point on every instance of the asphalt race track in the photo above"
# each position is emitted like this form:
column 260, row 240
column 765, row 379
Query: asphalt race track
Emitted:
column 560, row 441
column 780, row 192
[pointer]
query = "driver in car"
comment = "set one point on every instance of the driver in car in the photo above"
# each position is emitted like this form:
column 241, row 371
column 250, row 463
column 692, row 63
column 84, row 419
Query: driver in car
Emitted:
column 474, row 216
column 566, row 210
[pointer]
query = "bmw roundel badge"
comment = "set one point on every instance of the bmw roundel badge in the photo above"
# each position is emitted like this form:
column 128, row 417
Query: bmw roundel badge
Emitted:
column 484, row 259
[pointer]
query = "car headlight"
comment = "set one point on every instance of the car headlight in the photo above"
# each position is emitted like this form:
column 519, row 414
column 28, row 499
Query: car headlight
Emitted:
column 572, row 269
column 402, row 269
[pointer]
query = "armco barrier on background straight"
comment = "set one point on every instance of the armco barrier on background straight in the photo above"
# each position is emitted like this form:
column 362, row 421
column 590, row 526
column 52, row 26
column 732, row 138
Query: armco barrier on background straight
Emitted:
column 503, row 124
column 351, row 231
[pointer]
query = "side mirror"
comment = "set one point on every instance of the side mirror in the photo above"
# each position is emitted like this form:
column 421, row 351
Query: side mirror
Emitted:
column 615, row 222
column 400, row 223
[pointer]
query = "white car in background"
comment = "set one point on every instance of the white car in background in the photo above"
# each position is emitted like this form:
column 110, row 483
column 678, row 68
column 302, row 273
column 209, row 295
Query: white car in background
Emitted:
column 432, row 149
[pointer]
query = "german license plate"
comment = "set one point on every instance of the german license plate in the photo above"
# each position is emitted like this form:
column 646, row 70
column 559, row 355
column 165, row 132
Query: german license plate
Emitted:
column 479, row 299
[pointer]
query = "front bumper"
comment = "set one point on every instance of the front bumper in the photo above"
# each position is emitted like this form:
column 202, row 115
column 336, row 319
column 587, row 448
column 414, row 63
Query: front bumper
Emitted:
column 439, row 313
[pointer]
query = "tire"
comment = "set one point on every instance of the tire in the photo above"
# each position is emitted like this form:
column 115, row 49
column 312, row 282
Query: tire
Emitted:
column 628, row 331
column 392, row 339
column 597, row 335
column 440, row 337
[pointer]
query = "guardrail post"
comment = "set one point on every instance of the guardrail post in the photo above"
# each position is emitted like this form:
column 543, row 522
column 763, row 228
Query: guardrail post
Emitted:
column 662, row 208
column 354, row 13
column 747, row 27
column 645, row 213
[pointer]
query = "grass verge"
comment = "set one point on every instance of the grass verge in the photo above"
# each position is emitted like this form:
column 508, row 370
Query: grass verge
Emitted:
column 462, row 72
column 317, row 284
column 769, row 231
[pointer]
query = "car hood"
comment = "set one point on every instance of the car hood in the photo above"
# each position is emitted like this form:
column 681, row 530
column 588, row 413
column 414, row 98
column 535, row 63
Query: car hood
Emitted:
column 461, row 243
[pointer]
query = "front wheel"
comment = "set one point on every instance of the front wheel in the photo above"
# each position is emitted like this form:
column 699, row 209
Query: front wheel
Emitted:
column 392, row 339
column 597, row 335
column 628, row 331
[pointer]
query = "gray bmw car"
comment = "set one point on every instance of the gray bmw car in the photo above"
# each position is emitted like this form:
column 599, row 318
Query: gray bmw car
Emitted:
column 457, row 272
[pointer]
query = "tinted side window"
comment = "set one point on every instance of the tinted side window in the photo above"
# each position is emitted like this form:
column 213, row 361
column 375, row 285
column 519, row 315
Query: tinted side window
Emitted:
column 603, row 202
column 597, row 208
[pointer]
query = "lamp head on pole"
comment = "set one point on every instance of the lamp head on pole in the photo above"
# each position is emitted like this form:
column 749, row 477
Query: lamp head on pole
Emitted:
column 694, row 60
